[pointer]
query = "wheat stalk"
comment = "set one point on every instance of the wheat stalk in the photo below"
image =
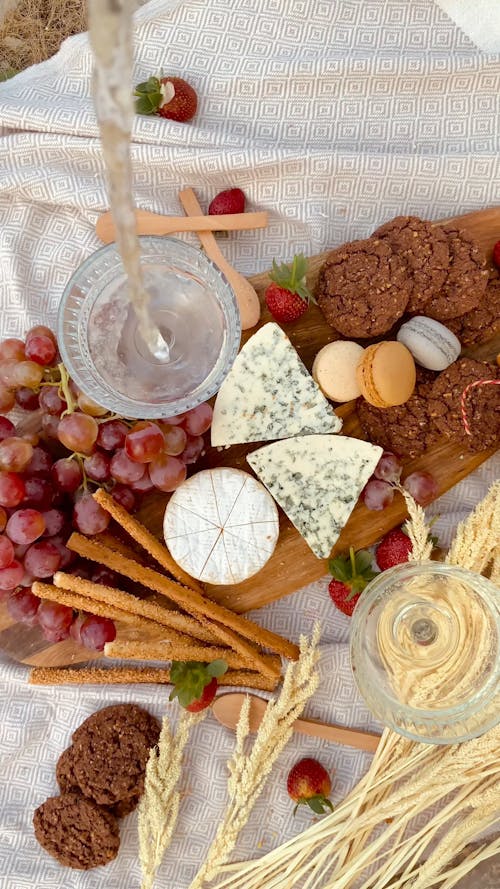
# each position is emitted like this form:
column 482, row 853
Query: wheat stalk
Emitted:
column 478, row 535
column 417, row 529
column 248, row 773
column 412, row 778
column 159, row 804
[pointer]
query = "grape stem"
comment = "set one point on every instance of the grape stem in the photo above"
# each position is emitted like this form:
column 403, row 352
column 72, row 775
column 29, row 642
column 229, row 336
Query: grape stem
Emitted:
column 129, row 421
column 65, row 387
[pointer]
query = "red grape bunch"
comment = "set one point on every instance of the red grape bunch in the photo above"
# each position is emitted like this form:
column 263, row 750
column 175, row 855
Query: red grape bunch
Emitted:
column 379, row 490
column 46, row 479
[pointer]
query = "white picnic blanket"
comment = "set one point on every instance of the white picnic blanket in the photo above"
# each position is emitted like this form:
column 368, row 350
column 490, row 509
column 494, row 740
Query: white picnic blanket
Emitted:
column 334, row 116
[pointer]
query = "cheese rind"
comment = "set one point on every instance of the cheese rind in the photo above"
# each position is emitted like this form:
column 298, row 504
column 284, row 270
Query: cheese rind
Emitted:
column 221, row 526
column 269, row 394
column 317, row 480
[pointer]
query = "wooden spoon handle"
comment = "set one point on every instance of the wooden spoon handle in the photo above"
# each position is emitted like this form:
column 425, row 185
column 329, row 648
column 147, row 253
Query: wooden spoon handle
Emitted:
column 349, row 736
column 246, row 296
column 155, row 224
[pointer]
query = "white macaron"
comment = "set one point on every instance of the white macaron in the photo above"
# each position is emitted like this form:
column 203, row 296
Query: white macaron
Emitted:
column 334, row 370
column 431, row 343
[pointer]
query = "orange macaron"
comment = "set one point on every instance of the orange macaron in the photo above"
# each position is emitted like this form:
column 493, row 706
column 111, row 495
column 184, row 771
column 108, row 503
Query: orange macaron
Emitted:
column 386, row 374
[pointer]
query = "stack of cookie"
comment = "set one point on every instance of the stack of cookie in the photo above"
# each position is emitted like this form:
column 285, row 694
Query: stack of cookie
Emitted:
column 409, row 268
column 101, row 778
column 437, row 408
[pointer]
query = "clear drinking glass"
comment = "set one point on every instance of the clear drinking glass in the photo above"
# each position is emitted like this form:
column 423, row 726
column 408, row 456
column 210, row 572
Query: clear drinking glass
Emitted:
column 425, row 651
column 192, row 304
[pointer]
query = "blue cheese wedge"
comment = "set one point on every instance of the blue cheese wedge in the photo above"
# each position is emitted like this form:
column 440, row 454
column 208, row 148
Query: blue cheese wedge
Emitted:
column 221, row 526
column 316, row 479
column 269, row 394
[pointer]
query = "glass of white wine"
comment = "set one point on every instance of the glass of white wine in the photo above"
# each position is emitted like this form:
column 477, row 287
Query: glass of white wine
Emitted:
column 425, row 651
column 190, row 303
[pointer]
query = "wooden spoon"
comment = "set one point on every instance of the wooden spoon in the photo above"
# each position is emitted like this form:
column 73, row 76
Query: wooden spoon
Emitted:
column 226, row 709
column 246, row 296
column 155, row 224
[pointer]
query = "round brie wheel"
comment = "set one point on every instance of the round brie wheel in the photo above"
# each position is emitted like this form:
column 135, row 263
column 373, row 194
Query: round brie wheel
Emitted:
column 221, row 526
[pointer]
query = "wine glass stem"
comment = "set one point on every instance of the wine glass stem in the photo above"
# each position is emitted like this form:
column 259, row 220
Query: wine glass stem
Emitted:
column 424, row 631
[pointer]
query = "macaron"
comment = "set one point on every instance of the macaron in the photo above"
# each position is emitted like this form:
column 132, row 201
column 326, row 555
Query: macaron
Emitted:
column 386, row 374
column 431, row 343
column 334, row 370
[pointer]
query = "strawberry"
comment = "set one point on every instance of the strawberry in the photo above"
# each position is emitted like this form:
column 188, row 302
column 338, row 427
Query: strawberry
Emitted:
column 393, row 549
column 288, row 297
column 350, row 576
column 170, row 97
column 230, row 201
column 195, row 684
column 309, row 784
column 496, row 254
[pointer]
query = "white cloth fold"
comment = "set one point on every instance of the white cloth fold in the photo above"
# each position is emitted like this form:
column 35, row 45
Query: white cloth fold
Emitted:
column 334, row 116
column 478, row 19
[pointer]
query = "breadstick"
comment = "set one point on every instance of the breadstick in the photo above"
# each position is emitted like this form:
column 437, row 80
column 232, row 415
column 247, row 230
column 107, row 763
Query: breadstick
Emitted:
column 186, row 598
column 148, row 541
column 247, row 650
column 168, row 650
column 190, row 626
column 129, row 675
column 249, row 655
column 80, row 603
column 117, row 545
column 181, row 626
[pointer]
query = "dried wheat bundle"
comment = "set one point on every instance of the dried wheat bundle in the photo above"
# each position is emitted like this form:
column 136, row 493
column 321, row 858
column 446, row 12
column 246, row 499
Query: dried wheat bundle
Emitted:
column 370, row 840
column 494, row 573
column 405, row 780
column 159, row 804
column 248, row 772
column 477, row 537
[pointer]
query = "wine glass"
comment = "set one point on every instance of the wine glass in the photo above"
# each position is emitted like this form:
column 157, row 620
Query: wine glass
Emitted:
column 190, row 302
column 425, row 651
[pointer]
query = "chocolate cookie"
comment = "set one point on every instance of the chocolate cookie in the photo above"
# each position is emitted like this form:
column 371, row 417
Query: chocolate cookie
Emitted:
column 126, row 806
column 65, row 775
column 424, row 248
column 66, row 779
column 363, row 288
column 482, row 323
column 465, row 281
column 482, row 404
column 406, row 429
column 111, row 750
column 76, row 831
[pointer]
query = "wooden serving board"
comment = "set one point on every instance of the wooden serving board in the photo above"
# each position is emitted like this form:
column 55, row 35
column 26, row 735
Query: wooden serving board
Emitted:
column 292, row 565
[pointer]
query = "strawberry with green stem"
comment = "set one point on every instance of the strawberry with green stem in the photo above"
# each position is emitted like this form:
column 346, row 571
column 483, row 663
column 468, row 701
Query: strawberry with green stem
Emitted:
column 195, row 684
column 350, row 576
column 288, row 297
column 170, row 97
column 309, row 784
